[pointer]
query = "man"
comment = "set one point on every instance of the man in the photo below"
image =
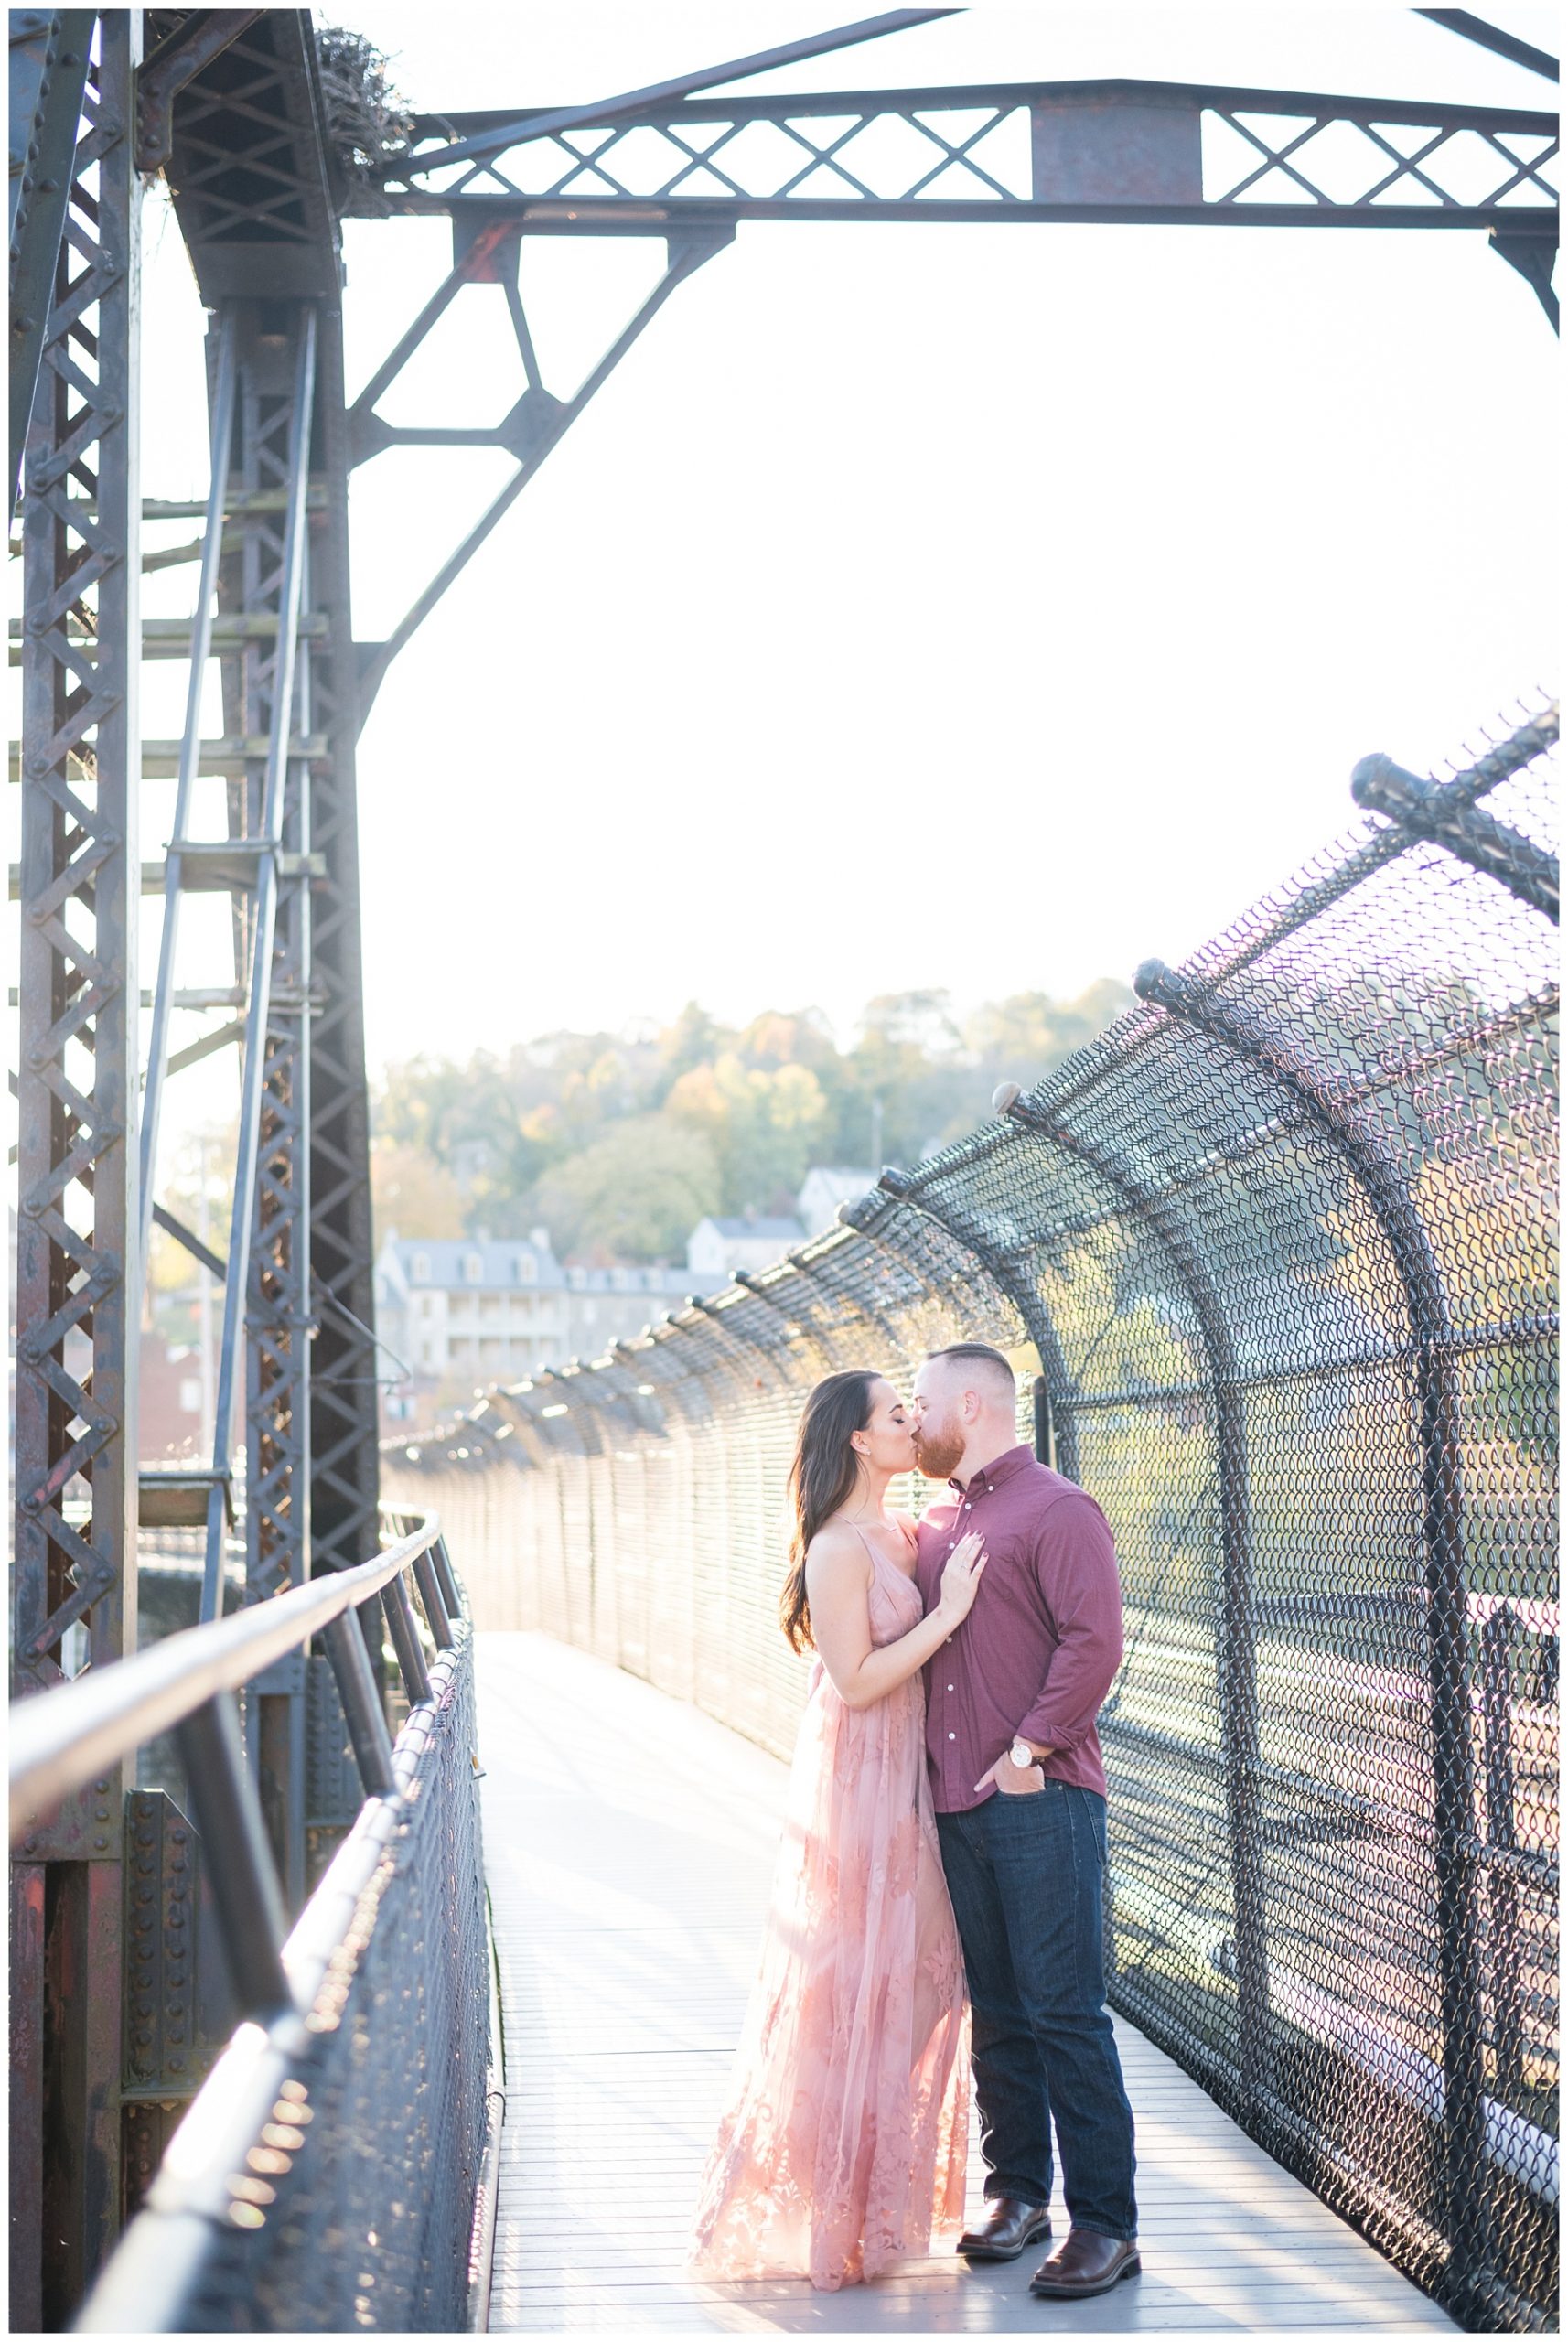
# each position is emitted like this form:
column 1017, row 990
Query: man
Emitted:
column 1019, row 1789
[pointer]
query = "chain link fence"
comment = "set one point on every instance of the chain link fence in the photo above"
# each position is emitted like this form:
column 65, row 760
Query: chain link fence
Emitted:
column 1277, row 1257
column 327, row 2180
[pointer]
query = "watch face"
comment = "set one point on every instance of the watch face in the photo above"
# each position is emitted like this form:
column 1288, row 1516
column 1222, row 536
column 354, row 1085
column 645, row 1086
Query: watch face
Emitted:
column 1020, row 1754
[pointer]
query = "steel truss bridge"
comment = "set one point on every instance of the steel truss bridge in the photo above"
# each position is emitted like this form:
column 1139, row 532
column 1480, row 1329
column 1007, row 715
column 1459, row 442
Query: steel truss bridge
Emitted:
column 305, row 1815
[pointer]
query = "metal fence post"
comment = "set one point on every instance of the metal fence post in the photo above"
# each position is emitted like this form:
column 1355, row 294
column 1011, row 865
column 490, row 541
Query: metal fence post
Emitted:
column 1237, row 1651
column 1502, row 1888
column 1020, row 1291
column 430, row 1594
column 1382, row 1180
column 238, row 1856
column 360, row 1693
column 398, row 1603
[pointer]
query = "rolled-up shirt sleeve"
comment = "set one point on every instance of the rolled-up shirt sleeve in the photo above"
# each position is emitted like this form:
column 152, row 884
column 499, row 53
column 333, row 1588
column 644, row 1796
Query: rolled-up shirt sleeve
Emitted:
column 1075, row 1561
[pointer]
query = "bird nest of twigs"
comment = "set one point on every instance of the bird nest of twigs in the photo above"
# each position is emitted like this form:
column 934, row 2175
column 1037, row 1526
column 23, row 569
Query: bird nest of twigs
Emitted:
column 370, row 127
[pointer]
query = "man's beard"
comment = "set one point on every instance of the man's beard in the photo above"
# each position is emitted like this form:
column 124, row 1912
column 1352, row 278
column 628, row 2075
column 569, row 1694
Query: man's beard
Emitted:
column 938, row 1453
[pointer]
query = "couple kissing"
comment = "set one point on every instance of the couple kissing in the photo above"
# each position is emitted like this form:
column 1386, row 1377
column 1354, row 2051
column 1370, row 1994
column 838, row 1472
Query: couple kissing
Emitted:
column 938, row 1899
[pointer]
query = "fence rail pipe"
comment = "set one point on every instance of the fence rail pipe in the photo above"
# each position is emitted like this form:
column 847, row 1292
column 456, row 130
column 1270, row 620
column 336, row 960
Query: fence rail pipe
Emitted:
column 60, row 1740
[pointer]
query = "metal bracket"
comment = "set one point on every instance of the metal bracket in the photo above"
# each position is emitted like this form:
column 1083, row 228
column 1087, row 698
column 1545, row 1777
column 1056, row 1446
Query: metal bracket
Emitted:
column 205, row 34
column 1533, row 257
column 536, row 424
column 162, row 1935
column 1427, row 808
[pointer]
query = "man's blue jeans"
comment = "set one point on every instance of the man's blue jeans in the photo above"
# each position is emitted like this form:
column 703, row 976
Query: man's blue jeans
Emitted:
column 1026, row 1874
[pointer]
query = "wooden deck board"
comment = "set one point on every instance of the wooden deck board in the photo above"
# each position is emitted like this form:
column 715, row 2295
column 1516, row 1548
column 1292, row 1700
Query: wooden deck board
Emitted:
column 627, row 1895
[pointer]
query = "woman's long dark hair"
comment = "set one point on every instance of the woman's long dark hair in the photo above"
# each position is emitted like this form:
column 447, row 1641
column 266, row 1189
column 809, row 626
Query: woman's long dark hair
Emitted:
column 821, row 1478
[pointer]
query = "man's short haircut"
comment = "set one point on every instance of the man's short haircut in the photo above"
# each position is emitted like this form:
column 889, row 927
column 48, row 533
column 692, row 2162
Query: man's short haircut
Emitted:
column 970, row 1354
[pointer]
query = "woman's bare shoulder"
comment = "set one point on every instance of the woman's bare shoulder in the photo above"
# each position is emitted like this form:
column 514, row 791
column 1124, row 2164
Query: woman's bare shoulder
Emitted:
column 837, row 1546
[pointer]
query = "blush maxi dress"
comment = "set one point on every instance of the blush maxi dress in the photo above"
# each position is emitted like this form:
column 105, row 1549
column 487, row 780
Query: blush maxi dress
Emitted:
column 845, row 2129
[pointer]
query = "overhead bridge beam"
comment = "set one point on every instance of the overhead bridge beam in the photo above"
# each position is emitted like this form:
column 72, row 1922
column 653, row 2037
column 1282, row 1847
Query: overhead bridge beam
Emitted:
column 1163, row 153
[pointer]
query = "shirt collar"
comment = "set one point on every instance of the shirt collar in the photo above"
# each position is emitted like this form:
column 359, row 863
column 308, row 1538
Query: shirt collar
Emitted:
column 992, row 1476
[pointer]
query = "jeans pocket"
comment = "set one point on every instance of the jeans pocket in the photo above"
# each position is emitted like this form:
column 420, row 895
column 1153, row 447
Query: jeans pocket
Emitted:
column 1044, row 1795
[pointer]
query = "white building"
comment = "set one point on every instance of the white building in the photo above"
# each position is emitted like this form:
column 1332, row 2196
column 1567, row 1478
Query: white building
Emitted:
column 716, row 1248
column 824, row 1187
column 465, row 1312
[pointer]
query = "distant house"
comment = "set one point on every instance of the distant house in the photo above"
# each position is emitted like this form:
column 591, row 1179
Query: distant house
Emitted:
column 465, row 1312
column 716, row 1248
column 824, row 1187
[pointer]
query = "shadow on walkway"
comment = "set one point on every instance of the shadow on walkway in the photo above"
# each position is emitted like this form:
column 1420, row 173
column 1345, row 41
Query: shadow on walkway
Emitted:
column 629, row 1843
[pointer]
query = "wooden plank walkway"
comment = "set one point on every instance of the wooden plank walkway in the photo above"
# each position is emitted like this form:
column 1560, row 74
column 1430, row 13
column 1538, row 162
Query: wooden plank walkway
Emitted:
column 627, row 1893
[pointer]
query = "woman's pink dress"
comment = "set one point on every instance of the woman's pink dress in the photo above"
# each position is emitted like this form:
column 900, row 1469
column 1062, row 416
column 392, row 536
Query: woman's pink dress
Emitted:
column 844, row 2139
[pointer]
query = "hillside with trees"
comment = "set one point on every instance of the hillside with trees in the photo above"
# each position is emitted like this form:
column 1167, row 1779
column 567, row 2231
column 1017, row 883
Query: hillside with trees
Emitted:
column 618, row 1144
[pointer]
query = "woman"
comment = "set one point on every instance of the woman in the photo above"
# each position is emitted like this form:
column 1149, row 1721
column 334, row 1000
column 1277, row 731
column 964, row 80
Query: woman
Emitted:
column 843, row 2143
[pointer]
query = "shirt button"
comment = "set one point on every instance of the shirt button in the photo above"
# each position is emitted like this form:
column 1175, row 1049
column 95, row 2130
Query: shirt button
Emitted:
column 968, row 1507
column 950, row 1687
column 952, row 1735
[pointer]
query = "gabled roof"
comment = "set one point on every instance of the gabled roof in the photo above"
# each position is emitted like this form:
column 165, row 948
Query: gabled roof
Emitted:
column 498, row 1257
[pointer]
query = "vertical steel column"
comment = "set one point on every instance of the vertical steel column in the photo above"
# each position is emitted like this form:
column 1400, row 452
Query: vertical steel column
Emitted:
column 343, row 1427
column 222, row 433
column 276, row 436
column 267, row 697
column 74, row 1590
column 1382, row 1180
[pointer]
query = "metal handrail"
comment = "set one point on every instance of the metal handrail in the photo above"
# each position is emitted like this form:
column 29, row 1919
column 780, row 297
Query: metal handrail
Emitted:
column 148, row 2283
column 61, row 1740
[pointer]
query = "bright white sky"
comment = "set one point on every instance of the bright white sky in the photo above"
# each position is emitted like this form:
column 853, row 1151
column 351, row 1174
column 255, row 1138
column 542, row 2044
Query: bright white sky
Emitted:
column 979, row 606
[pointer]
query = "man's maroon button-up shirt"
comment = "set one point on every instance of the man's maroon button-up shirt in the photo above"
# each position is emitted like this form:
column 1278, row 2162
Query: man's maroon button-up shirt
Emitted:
column 1040, row 1648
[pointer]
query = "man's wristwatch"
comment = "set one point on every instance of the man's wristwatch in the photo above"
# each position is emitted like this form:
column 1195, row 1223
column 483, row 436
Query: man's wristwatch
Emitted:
column 1022, row 1754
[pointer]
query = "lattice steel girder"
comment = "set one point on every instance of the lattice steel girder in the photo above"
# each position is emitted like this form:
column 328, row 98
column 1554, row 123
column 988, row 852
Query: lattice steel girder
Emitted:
column 48, row 70
column 1165, row 152
column 344, row 1522
column 79, row 883
column 74, row 1585
column 252, row 120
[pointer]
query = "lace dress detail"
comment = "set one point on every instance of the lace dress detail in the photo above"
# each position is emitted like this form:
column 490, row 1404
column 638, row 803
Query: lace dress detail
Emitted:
column 843, row 2144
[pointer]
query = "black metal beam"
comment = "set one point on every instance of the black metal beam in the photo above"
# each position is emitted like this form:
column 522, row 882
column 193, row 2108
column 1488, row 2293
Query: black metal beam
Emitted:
column 1492, row 36
column 709, row 77
column 1097, row 151
column 1423, row 808
column 532, row 441
column 177, row 61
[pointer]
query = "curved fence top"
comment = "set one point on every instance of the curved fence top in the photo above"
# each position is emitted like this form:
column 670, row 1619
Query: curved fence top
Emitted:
column 1321, row 1149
